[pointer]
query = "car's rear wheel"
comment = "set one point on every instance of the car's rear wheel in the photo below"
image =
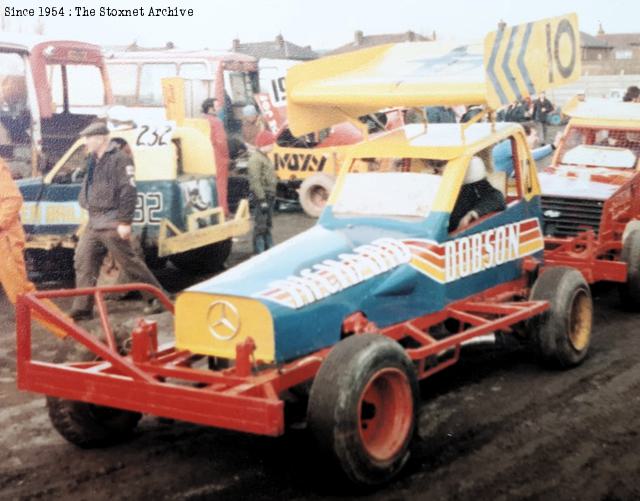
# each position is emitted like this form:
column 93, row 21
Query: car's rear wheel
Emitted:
column 314, row 193
column 362, row 408
column 562, row 334
column 630, row 290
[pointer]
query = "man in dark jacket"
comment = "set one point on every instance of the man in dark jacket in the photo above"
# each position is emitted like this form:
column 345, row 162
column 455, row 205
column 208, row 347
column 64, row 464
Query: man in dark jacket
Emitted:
column 477, row 197
column 109, row 195
column 541, row 108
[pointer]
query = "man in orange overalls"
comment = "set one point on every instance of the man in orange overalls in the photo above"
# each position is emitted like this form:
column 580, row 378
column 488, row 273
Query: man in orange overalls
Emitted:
column 13, row 274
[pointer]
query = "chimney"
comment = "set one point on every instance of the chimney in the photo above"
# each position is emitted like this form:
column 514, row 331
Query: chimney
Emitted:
column 433, row 35
column 359, row 37
column 411, row 36
column 280, row 40
column 235, row 45
column 170, row 45
column 600, row 30
column 501, row 25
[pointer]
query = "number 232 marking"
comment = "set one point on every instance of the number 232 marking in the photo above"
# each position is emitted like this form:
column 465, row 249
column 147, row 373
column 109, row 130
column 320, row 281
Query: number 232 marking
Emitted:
column 156, row 139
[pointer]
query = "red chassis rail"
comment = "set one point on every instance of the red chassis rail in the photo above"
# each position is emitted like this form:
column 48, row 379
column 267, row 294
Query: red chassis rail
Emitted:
column 598, row 256
column 247, row 397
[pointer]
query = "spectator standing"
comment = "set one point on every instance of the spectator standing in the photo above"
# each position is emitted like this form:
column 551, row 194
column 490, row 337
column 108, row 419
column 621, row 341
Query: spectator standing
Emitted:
column 13, row 273
column 540, row 110
column 251, row 124
column 109, row 195
column 263, row 183
column 220, row 144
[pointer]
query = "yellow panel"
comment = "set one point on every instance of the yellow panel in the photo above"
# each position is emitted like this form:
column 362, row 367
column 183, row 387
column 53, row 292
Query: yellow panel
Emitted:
column 196, row 148
column 198, row 315
column 300, row 163
column 201, row 237
column 529, row 180
column 331, row 89
column 530, row 58
column 152, row 163
column 173, row 93
column 450, row 184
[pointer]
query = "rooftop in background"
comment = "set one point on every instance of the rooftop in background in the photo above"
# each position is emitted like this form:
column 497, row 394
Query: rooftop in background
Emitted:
column 619, row 40
column 361, row 41
column 275, row 49
column 591, row 42
column 610, row 53
column 134, row 47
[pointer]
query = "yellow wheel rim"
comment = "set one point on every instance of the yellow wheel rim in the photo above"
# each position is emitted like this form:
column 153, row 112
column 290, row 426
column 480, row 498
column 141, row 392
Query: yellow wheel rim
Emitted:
column 580, row 320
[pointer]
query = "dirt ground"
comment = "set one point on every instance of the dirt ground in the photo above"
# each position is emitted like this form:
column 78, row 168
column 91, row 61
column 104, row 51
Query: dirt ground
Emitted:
column 496, row 426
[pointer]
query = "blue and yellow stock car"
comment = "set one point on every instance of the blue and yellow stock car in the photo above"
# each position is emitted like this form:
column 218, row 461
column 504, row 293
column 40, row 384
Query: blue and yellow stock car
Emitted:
column 382, row 292
column 177, row 213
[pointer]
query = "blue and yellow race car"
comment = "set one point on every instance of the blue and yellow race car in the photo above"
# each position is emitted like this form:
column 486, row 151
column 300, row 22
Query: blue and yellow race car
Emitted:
column 421, row 248
column 179, row 211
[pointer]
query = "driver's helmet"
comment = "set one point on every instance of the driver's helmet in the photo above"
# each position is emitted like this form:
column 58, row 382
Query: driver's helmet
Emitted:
column 476, row 171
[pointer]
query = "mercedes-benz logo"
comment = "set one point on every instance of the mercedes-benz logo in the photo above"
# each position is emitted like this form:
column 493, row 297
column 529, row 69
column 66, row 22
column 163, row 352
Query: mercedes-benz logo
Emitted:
column 223, row 320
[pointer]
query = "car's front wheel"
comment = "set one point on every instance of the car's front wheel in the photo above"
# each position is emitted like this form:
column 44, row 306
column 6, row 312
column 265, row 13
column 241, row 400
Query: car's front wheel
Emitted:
column 362, row 408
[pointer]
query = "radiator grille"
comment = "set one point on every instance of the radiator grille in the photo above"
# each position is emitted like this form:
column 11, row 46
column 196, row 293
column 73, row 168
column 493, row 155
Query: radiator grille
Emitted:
column 565, row 217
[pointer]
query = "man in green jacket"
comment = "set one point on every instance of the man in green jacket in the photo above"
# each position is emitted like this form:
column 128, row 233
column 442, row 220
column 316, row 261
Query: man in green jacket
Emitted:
column 262, row 182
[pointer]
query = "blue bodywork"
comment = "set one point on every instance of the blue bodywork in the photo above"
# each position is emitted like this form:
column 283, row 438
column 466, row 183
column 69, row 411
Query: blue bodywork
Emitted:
column 157, row 200
column 399, row 294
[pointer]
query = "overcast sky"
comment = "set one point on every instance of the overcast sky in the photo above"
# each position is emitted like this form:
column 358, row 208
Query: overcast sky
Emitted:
column 323, row 24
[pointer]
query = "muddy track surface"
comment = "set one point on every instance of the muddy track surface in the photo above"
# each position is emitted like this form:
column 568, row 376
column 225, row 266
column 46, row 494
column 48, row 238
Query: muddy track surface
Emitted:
column 495, row 426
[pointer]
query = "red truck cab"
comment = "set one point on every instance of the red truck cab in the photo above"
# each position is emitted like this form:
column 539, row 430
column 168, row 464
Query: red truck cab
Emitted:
column 49, row 91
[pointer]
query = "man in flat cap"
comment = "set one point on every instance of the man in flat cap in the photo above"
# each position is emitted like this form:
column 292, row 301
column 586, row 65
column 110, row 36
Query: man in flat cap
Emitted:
column 109, row 195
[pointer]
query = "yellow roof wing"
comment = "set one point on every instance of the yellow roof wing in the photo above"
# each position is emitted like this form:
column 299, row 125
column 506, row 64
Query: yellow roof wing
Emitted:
column 513, row 63
column 529, row 58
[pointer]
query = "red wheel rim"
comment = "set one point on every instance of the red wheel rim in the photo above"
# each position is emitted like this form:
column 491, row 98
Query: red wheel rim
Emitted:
column 385, row 414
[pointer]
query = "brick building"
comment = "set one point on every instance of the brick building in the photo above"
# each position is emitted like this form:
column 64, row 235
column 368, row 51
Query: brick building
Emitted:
column 610, row 53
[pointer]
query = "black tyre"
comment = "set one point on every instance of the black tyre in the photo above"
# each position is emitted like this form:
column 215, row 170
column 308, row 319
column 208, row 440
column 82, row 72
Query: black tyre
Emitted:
column 207, row 259
column 362, row 408
column 630, row 290
column 314, row 193
column 87, row 425
column 562, row 334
